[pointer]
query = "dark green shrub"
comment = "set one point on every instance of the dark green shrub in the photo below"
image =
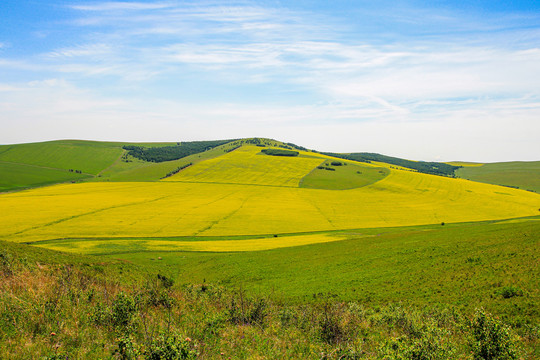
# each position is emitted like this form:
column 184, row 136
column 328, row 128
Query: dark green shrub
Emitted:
column 331, row 330
column 123, row 309
column 125, row 349
column 6, row 263
column 165, row 281
column 246, row 311
column 279, row 152
column 170, row 348
column 491, row 339
column 508, row 292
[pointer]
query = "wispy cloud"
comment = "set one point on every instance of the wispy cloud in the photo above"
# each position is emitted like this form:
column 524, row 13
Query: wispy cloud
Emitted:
column 115, row 5
column 248, row 69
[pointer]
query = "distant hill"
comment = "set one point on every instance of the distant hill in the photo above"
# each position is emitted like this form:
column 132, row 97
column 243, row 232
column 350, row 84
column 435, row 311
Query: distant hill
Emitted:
column 37, row 164
column 45, row 163
column 434, row 168
column 523, row 175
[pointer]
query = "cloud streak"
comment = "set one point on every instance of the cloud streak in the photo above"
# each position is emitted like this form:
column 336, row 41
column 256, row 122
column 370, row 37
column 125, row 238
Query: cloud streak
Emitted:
column 247, row 69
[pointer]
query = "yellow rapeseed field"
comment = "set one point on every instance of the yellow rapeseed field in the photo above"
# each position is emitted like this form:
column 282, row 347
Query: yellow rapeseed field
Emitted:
column 117, row 245
column 247, row 166
column 177, row 208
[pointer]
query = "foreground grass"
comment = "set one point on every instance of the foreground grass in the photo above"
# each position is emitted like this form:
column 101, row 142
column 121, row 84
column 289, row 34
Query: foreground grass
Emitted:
column 461, row 265
column 57, row 306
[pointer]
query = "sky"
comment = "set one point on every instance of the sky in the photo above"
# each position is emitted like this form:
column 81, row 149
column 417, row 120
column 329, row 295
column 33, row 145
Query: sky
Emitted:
column 423, row 80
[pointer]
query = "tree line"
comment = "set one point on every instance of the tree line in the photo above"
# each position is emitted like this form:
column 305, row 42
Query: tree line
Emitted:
column 434, row 168
column 168, row 153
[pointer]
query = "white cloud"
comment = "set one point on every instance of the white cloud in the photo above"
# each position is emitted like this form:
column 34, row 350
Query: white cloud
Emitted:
column 474, row 132
column 114, row 5
column 418, row 97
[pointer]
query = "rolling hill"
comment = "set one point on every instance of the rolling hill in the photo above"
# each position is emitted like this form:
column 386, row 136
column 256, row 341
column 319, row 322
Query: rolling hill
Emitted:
column 245, row 192
column 524, row 175
column 258, row 218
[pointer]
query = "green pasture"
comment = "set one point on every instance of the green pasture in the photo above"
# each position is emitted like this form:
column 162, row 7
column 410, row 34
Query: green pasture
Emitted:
column 343, row 177
column 138, row 170
column 522, row 174
column 88, row 156
column 463, row 265
column 21, row 176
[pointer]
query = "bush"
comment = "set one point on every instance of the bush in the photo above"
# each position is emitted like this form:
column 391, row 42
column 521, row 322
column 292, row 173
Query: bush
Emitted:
column 246, row 311
column 125, row 349
column 6, row 263
column 170, row 348
column 123, row 310
column 279, row 152
column 491, row 340
column 508, row 292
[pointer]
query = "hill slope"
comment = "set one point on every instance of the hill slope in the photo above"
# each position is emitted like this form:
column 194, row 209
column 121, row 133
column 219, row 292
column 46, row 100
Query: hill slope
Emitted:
column 36, row 164
column 522, row 174
column 234, row 202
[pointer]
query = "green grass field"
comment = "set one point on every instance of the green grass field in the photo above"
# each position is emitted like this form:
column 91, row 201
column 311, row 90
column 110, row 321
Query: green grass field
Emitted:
column 522, row 174
column 343, row 177
column 87, row 156
column 56, row 305
column 21, row 176
column 465, row 265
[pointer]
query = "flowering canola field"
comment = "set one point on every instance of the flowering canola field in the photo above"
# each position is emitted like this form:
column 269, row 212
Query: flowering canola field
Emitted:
column 247, row 165
column 216, row 198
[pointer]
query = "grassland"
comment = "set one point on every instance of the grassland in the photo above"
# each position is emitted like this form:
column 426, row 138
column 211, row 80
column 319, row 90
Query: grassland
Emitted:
column 464, row 265
column 37, row 164
column 522, row 174
column 58, row 306
column 87, row 156
column 21, row 176
column 346, row 177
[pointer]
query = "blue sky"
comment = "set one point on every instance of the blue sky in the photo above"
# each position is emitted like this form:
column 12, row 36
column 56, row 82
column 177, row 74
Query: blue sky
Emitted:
column 437, row 80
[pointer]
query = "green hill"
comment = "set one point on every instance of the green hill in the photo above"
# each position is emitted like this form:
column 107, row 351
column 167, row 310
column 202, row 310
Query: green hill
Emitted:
column 37, row 164
column 90, row 157
column 20, row 176
column 520, row 174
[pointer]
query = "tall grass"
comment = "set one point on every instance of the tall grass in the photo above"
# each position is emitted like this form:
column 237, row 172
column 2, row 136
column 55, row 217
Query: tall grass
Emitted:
column 75, row 310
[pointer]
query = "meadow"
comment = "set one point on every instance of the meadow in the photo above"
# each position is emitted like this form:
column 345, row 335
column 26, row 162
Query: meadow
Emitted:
column 21, row 176
column 433, row 292
column 521, row 174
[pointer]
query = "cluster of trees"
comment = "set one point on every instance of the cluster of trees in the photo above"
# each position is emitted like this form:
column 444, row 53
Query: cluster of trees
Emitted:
column 75, row 171
column 294, row 146
column 326, row 168
column 434, row 168
column 177, row 170
column 279, row 152
column 168, row 153
column 234, row 148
